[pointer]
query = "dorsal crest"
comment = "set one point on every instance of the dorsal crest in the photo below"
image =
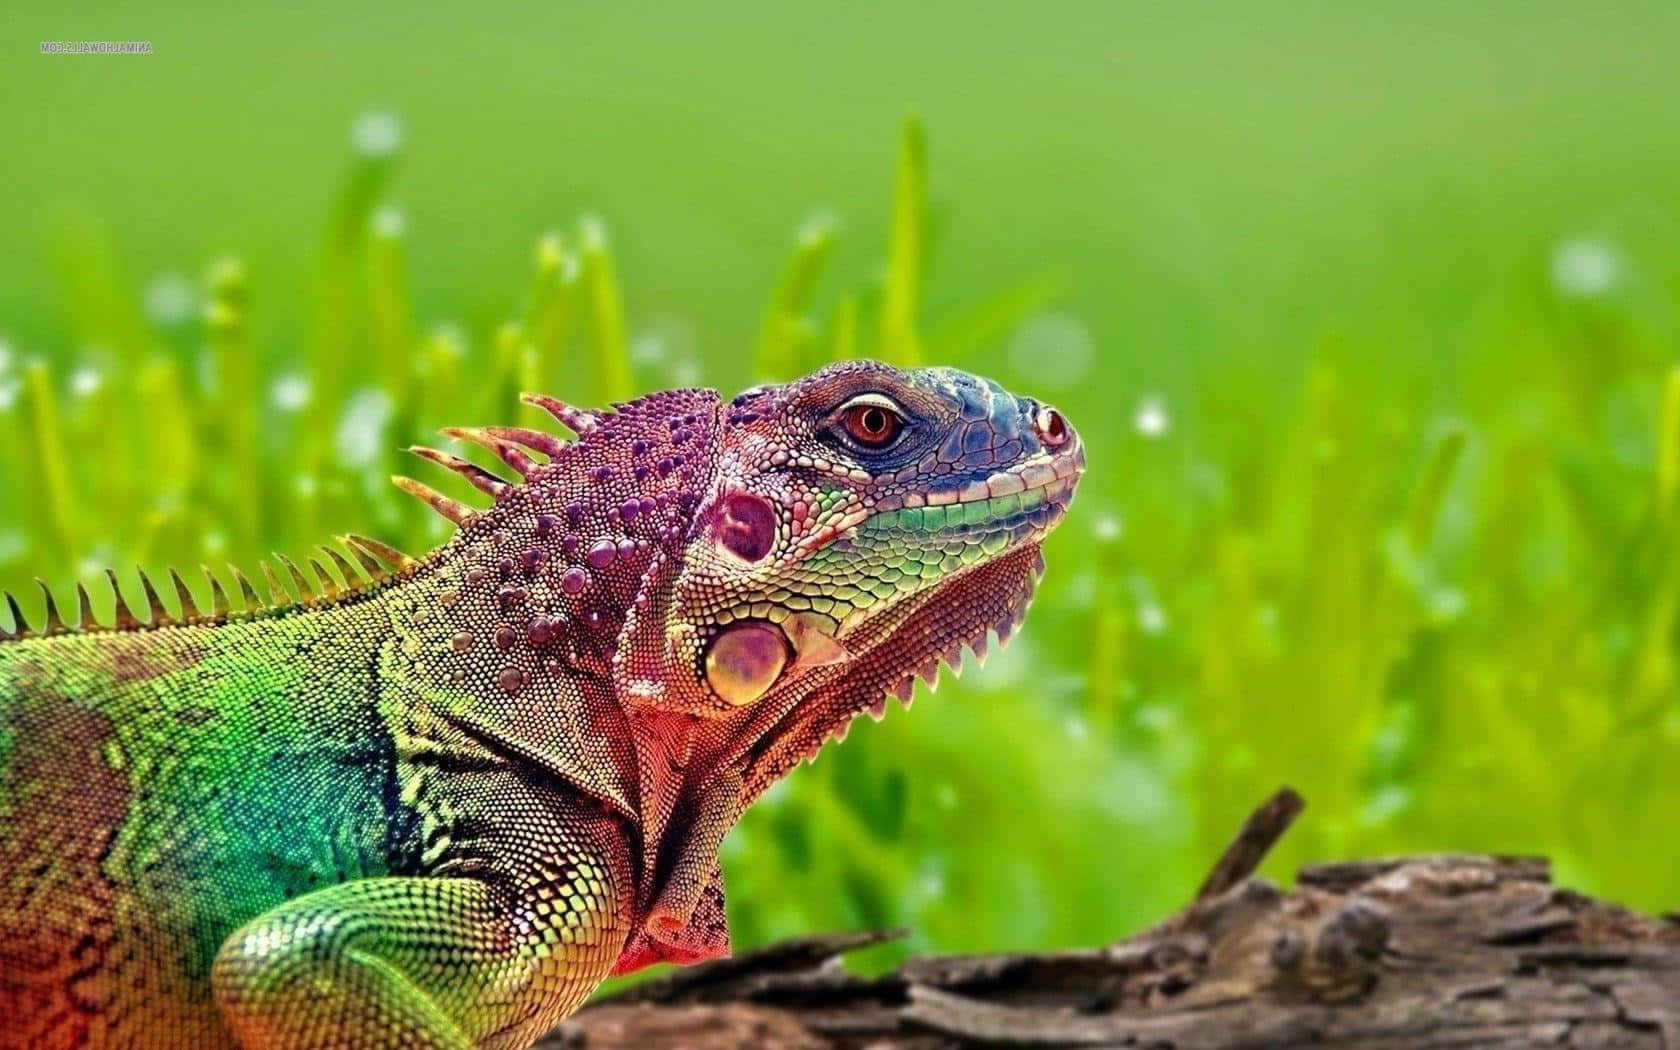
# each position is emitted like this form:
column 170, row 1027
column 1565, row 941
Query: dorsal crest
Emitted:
column 370, row 566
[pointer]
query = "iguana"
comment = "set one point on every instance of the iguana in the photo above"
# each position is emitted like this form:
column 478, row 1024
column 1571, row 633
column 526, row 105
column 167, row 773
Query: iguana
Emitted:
column 438, row 806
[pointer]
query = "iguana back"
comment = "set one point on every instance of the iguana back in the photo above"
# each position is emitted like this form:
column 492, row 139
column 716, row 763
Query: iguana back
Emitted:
column 159, row 788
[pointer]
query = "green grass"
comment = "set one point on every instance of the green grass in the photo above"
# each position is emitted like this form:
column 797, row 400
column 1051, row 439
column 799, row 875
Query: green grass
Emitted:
column 1368, row 318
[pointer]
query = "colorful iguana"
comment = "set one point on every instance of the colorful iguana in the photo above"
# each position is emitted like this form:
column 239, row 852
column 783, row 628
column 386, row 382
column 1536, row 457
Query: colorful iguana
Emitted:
column 436, row 807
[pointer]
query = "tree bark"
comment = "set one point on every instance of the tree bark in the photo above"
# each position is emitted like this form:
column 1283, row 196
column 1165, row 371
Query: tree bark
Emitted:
column 1405, row 954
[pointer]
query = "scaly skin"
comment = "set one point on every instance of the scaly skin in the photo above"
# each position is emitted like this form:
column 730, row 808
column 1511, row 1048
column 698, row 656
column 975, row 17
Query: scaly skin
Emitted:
column 437, row 810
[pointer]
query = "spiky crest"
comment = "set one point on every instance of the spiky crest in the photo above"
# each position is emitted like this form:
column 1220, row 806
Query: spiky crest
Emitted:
column 508, row 444
column 380, row 565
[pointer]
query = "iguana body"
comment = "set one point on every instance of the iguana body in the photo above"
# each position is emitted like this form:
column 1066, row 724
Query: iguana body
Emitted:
column 438, row 808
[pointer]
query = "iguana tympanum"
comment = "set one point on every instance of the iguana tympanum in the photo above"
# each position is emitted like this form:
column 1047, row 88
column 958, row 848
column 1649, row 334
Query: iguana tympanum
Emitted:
column 436, row 807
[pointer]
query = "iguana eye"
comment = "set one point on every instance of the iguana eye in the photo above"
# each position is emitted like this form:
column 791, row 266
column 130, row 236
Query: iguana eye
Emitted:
column 871, row 422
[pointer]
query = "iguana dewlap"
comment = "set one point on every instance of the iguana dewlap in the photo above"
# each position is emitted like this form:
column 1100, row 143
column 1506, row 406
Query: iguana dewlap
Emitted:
column 436, row 808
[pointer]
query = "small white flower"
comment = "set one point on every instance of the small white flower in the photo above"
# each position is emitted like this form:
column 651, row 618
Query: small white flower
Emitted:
column 376, row 133
column 361, row 433
column 290, row 393
column 1152, row 619
column 85, row 381
column 647, row 350
column 1151, row 418
column 1107, row 527
column 1585, row 267
column 684, row 373
column 170, row 299
column 389, row 222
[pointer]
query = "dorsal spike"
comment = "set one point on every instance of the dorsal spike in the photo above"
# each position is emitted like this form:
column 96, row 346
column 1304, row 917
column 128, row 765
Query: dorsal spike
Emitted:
column 126, row 620
column 189, row 605
column 305, row 592
column 157, row 611
column 506, row 451
column 576, row 420
column 481, row 479
column 372, row 568
column 329, row 588
column 384, row 552
column 459, row 513
column 277, row 593
column 248, row 593
column 20, row 626
column 219, row 604
column 54, row 622
column 535, row 440
column 352, row 579
column 84, row 609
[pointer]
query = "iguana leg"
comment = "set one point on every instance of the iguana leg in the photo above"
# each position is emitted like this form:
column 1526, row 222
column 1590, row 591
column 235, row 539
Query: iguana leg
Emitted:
column 418, row 962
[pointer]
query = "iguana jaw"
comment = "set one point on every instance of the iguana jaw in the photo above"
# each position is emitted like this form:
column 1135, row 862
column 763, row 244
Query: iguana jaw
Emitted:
column 970, row 612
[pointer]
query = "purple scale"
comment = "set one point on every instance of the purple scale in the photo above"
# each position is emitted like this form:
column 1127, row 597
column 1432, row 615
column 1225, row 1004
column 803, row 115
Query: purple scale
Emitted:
column 569, row 544
column 574, row 580
column 601, row 554
column 626, row 547
column 601, row 474
column 533, row 557
column 546, row 524
column 540, row 631
column 629, row 509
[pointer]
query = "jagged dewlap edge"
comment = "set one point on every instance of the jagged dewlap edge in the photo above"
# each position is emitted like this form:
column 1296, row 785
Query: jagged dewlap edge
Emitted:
column 1000, row 591
column 371, row 567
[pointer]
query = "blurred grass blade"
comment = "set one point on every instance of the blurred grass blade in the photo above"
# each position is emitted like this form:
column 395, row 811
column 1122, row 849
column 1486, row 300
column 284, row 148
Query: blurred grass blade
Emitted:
column 227, row 319
column 170, row 442
column 509, row 373
column 786, row 331
column 905, row 250
column 393, row 334
column 375, row 138
column 1431, row 490
column 549, row 310
column 45, row 434
column 1668, row 445
column 606, row 311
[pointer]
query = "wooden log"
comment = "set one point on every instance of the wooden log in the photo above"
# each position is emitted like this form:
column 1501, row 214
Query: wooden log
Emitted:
column 1412, row 953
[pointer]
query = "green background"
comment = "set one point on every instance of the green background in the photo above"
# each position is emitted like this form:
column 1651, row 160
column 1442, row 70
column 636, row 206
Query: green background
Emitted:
column 1366, row 313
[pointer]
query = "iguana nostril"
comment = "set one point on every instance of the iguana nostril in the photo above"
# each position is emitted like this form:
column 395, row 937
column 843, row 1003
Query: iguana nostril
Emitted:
column 745, row 661
column 1052, row 428
column 747, row 527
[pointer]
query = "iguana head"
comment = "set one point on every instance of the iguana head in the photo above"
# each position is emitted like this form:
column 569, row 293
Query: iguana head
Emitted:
column 860, row 525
